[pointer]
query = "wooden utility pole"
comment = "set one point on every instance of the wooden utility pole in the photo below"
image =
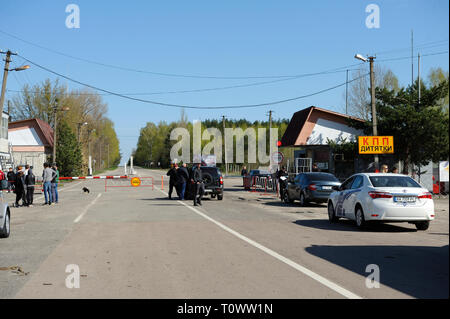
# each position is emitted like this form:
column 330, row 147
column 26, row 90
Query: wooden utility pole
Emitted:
column 374, row 110
column 224, row 146
column 5, row 76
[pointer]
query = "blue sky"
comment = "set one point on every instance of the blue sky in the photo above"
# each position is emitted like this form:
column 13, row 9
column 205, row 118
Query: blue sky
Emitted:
column 223, row 39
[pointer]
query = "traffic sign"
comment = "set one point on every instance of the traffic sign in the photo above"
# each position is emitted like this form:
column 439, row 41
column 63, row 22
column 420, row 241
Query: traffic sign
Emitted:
column 277, row 157
column 135, row 181
column 376, row 144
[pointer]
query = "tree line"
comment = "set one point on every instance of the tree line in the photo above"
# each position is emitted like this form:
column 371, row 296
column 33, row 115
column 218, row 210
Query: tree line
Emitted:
column 154, row 143
column 82, row 125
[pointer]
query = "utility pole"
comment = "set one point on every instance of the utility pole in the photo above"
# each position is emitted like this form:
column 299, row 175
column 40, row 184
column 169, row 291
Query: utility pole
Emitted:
column 5, row 74
column 224, row 146
column 270, row 120
column 412, row 57
column 108, row 154
column 346, row 94
column 374, row 111
column 55, row 111
column 418, row 73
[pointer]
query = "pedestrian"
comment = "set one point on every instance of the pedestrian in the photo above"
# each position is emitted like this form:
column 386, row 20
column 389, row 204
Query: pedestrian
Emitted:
column 394, row 170
column 20, row 189
column 11, row 176
column 47, row 176
column 30, row 181
column 243, row 174
column 183, row 178
column 3, row 181
column 315, row 168
column 172, row 173
column 384, row 168
column 197, row 180
column 54, row 184
column 281, row 183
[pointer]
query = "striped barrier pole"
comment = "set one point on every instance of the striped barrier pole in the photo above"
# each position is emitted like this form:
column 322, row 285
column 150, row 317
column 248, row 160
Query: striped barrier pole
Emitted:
column 93, row 177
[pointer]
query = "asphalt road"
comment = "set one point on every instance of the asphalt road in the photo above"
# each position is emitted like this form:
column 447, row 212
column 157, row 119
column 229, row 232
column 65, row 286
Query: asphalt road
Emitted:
column 135, row 243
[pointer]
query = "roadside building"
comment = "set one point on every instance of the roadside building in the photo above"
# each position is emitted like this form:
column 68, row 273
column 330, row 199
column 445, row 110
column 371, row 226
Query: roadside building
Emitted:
column 305, row 141
column 5, row 147
column 32, row 143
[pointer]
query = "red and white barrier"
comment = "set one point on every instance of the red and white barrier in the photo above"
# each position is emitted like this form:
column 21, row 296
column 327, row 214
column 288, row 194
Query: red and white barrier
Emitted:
column 93, row 177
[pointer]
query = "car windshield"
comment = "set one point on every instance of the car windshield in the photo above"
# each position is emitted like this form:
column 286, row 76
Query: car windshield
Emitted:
column 322, row 177
column 393, row 181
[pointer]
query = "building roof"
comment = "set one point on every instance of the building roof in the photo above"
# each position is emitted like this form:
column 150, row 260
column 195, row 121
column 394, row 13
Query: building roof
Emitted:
column 303, row 122
column 42, row 129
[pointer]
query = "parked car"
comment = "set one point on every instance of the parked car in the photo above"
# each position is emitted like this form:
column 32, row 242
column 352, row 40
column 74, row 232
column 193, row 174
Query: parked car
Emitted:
column 379, row 197
column 5, row 216
column 213, row 180
column 310, row 187
column 249, row 179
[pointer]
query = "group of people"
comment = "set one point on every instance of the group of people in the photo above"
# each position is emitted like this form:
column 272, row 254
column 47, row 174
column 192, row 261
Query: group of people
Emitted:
column 22, row 181
column 179, row 177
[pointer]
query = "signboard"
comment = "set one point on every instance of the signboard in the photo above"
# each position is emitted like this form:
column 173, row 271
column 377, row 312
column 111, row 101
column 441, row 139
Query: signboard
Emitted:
column 209, row 160
column 376, row 144
column 135, row 181
column 277, row 157
column 443, row 171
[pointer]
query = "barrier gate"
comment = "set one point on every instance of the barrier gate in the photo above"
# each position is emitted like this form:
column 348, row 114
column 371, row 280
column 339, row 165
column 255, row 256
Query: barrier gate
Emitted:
column 130, row 182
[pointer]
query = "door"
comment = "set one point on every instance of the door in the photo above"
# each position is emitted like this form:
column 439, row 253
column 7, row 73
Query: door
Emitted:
column 351, row 196
column 345, row 189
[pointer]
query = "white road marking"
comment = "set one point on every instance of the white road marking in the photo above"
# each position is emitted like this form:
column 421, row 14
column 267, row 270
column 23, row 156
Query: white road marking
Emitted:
column 87, row 208
column 340, row 290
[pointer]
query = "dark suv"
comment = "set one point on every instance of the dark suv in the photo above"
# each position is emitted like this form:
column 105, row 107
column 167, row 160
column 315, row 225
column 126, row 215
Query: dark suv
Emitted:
column 213, row 180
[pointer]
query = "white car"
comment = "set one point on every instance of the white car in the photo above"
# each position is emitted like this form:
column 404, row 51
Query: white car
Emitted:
column 4, row 217
column 381, row 197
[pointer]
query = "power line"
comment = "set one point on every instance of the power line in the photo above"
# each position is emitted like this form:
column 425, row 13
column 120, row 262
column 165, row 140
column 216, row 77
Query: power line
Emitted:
column 186, row 106
column 161, row 73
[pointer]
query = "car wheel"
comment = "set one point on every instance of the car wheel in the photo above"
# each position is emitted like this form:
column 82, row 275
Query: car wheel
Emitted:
column 422, row 225
column 302, row 199
column 286, row 198
column 331, row 213
column 219, row 196
column 6, row 227
column 360, row 221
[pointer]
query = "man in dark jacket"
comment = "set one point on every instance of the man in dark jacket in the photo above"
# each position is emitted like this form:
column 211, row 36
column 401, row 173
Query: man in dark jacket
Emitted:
column 197, row 179
column 172, row 173
column 11, row 176
column 20, row 189
column 30, row 180
column 183, row 178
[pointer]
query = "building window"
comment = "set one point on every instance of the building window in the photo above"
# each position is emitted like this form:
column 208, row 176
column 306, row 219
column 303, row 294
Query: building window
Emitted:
column 4, row 129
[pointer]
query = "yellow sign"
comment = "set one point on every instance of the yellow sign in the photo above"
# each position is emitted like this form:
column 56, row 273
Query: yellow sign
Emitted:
column 135, row 181
column 376, row 144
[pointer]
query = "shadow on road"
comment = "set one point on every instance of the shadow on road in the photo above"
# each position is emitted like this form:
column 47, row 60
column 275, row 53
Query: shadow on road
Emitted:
column 279, row 203
column 349, row 225
column 418, row 271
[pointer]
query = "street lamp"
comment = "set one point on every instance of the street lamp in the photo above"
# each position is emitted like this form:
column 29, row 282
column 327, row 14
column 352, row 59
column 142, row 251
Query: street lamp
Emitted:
column 89, row 151
column 372, row 97
column 79, row 125
column 5, row 73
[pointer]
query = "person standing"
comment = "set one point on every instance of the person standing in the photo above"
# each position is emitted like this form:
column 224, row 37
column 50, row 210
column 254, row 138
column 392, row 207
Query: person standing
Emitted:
column 30, row 180
column 197, row 179
column 183, row 177
column 54, row 183
column 11, row 179
column 172, row 173
column 243, row 174
column 384, row 168
column 47, row 176
column 20, row 189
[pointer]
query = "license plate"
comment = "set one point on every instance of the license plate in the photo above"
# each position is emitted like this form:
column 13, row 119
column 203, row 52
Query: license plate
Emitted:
column 326, row 187
column 404, row 199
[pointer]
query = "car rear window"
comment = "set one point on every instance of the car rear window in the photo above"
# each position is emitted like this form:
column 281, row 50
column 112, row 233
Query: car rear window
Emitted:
column 393, row 181
column 322, row 177
column 214, row 171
